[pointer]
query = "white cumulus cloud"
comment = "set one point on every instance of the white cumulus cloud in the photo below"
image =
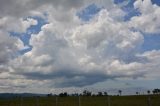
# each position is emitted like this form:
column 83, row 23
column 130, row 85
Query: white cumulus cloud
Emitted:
column 69, row 52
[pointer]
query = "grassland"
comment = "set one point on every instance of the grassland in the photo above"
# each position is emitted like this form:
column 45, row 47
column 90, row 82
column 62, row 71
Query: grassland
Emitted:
column 138, row 100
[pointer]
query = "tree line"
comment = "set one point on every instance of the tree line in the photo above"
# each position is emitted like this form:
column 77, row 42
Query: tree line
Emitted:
column 89, row 93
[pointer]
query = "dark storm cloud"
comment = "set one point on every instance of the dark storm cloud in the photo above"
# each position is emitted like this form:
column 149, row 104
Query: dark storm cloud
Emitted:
column 69, row 78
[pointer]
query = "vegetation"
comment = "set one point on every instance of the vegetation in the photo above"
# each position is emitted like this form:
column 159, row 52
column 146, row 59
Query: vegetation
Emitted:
column 156, row 91
column 137, row 100
column 152, row 98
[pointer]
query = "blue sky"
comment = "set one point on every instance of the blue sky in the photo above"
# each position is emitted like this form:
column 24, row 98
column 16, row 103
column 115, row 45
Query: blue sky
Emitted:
column 82, row 44
column 25, row 37
column 151, row 40
column 89, row 12
column 156, row 2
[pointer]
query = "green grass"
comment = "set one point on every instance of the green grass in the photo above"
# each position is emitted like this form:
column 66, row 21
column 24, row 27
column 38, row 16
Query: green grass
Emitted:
column 139, row 100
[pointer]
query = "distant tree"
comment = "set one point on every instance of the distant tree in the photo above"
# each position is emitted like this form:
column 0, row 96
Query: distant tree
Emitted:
column 120, row 92
column 156, row 91
column 100, row 94
column 137, row 93
column 159, row 91
column 105, row 94
column 148, row 92
column 63, row 94
column 87, row 93
column 80, row 94
column 49, row 95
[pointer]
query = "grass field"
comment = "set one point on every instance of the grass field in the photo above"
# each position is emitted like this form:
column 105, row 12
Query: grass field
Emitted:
column 138, row 100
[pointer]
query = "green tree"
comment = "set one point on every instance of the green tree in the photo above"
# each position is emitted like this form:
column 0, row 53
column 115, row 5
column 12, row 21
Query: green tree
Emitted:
column 87, row 93
column 100, row 94
column 120, row 92
column 105, row 94
column 137, row 93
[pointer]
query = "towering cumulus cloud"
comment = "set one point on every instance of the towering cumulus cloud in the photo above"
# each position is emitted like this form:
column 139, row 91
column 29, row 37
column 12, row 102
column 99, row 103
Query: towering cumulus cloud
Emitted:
column 83, row 42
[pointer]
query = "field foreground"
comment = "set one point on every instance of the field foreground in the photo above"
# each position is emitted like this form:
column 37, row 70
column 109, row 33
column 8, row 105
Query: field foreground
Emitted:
column 138, row 100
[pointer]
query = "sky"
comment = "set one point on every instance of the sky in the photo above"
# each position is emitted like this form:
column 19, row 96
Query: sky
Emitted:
column 50, row 46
